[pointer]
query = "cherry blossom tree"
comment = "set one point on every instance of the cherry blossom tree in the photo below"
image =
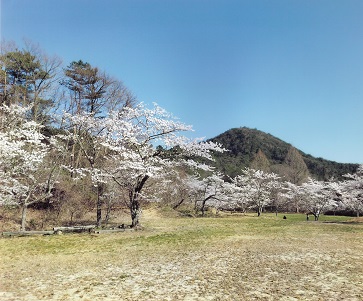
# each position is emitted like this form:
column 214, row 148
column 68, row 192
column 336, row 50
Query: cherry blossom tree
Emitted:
column 319, row 196
column 177, row 187
column 23, row 178
column 139, row 143
column 353, row 190
column 295, row 195
column 210, row 189
column 132, row 137
column 83, row 136
column 257, row 188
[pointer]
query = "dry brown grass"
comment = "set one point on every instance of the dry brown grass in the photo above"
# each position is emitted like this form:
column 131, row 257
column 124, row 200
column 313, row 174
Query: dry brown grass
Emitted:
column 229, row 258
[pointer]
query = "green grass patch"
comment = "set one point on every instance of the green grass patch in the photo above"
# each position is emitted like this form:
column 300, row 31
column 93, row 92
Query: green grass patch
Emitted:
column 179, row 231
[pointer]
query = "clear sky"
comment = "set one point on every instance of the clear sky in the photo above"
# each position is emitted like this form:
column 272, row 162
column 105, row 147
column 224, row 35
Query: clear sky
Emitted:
column 292, row 68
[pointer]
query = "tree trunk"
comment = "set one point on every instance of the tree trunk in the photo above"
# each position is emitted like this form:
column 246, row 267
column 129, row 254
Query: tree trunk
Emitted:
column 134, row 195
column 99, row 206
column 72, row 213
column 259, row 210
column 108, row 211
column 99, row 215
column 178, row 204
column 203, row 207
column 135, row 213
column 23, row 217
column 196, row 206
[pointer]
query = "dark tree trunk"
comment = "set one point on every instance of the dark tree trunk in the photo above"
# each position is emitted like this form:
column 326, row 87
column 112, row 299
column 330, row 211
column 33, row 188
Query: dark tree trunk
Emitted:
column 178, row 204
column 99, row 206
column 72, row 214
column 134, row 195
column 259, row 210
column 203, row 207
column 135, row 213
column 99, row 215
column 204, row 202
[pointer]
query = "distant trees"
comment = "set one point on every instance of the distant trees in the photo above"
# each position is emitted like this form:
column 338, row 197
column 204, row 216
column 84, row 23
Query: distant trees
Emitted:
column 257, row 187
column 260, row 162
column 295, row 169
column 315, row 197
column 178, row 187
column 246, row 146
column 352, row 191
column 294, row 196
column 209, row 189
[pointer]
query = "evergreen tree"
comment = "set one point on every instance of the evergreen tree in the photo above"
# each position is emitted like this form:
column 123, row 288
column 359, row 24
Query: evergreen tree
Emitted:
column 93, row 91
column 27, row 78
column 260, row 162
column 295, row 169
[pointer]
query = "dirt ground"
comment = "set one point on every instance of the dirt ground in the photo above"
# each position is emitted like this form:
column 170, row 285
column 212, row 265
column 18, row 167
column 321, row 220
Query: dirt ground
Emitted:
column 189, row 259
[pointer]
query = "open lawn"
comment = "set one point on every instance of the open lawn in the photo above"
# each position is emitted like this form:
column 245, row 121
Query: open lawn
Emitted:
column 226, row 258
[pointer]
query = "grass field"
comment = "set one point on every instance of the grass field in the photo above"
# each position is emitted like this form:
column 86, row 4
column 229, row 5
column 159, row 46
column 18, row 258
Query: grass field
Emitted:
column 225, row 258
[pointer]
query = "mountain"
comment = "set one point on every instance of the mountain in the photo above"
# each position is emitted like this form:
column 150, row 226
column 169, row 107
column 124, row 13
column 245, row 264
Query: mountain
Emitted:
column 256, row 149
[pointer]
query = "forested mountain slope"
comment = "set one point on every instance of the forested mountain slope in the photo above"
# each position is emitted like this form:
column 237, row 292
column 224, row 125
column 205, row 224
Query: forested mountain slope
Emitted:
column 256, row 149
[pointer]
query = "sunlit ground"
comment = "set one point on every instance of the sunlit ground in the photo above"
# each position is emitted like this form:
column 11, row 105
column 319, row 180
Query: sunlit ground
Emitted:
column 225, row 258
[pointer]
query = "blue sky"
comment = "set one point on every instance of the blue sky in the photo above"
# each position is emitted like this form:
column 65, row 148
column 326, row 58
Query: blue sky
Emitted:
column 292, row 68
